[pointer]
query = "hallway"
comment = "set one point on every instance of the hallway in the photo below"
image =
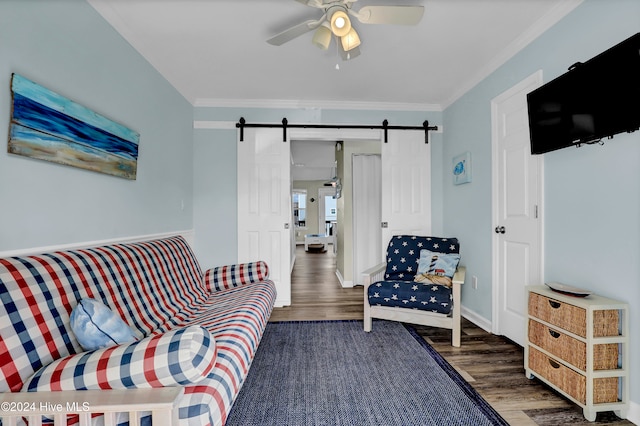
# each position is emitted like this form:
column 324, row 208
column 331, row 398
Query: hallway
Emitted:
column 316, row 293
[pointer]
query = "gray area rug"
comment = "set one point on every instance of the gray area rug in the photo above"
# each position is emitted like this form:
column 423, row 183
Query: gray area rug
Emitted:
column 333, row 373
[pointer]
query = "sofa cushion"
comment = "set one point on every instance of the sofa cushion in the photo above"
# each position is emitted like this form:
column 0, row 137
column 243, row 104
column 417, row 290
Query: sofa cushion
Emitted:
column 179, row 357
column 236, row 318
column 96, row 326
column 403, row 254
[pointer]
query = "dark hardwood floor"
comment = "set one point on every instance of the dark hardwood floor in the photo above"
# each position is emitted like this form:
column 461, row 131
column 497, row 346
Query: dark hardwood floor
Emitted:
column 492, row 364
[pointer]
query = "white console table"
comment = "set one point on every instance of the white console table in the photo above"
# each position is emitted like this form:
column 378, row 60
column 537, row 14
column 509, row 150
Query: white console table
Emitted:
column 316, row 239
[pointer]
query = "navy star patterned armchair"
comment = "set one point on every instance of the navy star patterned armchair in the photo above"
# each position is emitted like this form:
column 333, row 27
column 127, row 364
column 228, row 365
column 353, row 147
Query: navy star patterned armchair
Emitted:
column 419, row 283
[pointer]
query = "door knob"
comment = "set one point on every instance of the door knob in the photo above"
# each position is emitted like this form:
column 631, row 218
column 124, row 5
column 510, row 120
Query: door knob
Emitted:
column 500, row 230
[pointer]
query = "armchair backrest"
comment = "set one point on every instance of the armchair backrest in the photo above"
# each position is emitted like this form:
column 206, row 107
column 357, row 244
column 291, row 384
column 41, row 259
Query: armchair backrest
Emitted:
column 403, row 254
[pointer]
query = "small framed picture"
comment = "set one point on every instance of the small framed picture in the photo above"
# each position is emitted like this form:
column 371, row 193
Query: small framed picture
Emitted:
column 462, row 168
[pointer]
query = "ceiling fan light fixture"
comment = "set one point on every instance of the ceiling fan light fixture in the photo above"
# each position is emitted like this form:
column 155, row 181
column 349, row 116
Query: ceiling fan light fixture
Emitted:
column 340, row 23
column 350, row 41
column 322, row 36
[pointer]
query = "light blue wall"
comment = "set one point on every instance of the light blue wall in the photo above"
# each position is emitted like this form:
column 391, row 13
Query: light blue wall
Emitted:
column 592, row 194
column 592, row 205
column 215, row 198
column 215, row 216
column 67, row 47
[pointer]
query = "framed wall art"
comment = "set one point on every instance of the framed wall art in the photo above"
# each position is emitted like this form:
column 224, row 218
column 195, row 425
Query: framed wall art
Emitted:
column 462, row 168
column 47, row 126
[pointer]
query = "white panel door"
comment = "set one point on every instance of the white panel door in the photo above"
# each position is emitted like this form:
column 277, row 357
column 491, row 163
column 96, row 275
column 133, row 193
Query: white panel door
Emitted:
column 367, row 196
column 264, row 205
column 406, row 185
column 517, row 209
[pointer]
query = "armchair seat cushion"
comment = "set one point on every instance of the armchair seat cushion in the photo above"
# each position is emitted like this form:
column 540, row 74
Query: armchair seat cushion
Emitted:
column 411, row 295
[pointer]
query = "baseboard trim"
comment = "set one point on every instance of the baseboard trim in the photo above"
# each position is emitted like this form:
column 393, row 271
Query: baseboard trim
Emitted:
column 343, row 283
column 634, row 413
column 476, row 318
column 281, row 303
column 187, row 234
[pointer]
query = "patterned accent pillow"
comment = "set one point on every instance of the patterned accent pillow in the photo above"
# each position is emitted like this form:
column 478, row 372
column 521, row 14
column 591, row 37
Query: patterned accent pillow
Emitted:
column 230, row 276
column 96, row 326
column 178, row 357
column 437, row 268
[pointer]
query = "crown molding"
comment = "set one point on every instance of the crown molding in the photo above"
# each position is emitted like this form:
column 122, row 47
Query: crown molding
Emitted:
column 537, row 29
column 295, row 104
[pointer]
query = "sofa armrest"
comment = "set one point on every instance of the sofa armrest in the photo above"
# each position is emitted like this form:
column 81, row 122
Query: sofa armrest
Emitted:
column 177, row 357
column 230, row 276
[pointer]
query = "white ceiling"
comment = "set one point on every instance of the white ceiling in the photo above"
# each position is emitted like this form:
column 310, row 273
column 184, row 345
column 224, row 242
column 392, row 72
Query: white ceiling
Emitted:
column 313, row 160
column 214, row 51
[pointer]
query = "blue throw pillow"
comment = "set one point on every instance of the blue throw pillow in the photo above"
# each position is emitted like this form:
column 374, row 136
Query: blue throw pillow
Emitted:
column 437, row 268
column 96, row 326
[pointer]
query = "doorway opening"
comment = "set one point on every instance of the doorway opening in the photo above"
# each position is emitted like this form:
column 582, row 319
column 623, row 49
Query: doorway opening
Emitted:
column 328, row 215
column 265, row 208
column 314, row 209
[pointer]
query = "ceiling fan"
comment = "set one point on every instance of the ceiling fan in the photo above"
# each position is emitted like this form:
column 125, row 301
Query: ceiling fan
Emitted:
column 335, row 22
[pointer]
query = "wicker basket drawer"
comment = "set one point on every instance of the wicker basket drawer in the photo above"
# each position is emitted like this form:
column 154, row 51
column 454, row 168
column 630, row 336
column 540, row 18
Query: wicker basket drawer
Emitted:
column 572, row 383
column 574, row 351
column 572, row 318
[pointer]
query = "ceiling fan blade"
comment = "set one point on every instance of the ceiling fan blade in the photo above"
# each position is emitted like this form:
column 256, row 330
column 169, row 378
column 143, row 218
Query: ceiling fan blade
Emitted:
column 395, row 15
column 312, row 3
column 293, row 32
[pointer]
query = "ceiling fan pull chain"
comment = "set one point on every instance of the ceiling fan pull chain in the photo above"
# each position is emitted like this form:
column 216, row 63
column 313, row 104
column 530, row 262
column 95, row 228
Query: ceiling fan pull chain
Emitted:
column 337, row 54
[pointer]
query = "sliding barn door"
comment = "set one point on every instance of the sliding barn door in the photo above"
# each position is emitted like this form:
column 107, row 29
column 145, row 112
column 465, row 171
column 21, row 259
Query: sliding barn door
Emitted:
column 406, row 185
column 264, row 205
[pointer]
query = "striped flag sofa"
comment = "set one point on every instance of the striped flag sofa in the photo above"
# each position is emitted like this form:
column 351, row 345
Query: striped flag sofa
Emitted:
column 194, row 329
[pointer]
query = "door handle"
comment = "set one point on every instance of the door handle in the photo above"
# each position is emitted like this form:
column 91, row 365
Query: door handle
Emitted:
column 500, row 230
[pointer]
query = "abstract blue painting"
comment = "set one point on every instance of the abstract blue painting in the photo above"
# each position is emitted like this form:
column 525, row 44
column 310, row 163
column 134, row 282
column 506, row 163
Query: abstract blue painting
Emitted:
column 50, row 127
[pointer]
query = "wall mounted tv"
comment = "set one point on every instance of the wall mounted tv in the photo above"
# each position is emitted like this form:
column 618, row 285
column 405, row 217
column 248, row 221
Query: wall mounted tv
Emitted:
column 594, row 100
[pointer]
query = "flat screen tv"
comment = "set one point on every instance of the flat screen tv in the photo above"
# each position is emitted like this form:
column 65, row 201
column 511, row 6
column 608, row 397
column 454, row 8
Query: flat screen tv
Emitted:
column 594, row 100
